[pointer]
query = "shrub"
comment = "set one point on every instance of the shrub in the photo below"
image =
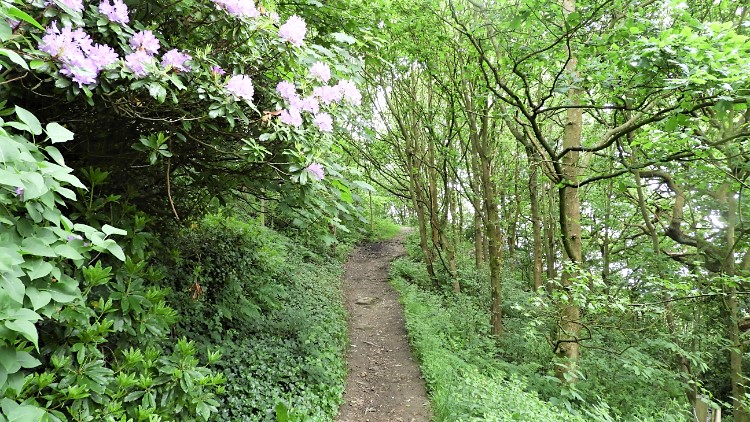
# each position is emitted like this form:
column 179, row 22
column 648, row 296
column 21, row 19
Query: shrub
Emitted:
column 275, row 309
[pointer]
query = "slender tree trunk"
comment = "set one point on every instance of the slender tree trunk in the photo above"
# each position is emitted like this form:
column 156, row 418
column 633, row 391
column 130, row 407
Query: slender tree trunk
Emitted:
column 536, row 221
column 550, row 252
column 567, row 346
column 481, row 146
column 684, row 364
column 736, row 349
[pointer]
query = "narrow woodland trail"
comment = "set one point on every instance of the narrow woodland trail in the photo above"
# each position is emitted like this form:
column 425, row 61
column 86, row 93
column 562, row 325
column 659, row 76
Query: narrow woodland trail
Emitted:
column 384, row 382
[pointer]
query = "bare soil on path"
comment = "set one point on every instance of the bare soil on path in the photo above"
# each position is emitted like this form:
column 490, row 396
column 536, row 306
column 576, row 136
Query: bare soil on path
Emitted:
column 384, row 382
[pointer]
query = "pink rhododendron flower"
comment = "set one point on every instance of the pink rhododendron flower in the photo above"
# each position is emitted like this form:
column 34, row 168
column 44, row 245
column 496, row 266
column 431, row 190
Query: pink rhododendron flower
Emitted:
column 328, row 94
column 286, row 89
column 241, row 86
column 310, row 104
column 116, row 11
column 146, row 41
column 174, row 58
column 293, row 30
column 350, row 92
column 295, row 101
column 324, row 122
column 138, row 62
column 316, row 170
column 239, row 8
column 79, row 59
column 320, row 71
column 291, row 117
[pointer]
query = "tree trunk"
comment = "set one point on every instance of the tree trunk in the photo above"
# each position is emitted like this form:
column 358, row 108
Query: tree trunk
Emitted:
column 567, row 347
column 536, row 221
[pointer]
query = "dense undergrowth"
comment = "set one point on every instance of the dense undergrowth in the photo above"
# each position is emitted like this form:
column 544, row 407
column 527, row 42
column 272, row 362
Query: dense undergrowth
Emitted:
column 273, row 307
column 472, row 377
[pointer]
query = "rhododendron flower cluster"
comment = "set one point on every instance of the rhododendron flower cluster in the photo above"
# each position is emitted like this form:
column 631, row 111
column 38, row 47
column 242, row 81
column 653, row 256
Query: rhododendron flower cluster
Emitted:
column 175, row 59
column 309, row 104
column 350, row 92
column 116, row 11
column 286, row 90
column 291, row 117
column 76, row 5
column 146, row 41
column 324, row 122
column 293, row 30
column 239, row 8
column 145, row 45
column 320, row 71
column 241, row 86
column 80, row 59
column 316, row 170
column 328, row 94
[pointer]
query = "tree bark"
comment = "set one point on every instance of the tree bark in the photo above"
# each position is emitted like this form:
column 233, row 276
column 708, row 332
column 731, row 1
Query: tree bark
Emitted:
column 536, row 221
column 567, row 346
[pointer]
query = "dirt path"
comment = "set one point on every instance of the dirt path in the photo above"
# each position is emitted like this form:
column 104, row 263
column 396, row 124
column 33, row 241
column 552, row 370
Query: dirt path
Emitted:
column 384, row 382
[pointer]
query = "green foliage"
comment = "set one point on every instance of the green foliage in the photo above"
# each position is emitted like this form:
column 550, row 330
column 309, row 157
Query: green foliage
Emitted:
column 383, row 229
column 456, row 356
column 273, row 307
column 78, row 339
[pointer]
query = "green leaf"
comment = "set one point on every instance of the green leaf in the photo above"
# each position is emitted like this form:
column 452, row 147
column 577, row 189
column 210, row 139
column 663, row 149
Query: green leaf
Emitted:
column 24, row 328
column 8, row 152
column 14, row 57
column 5, row 33
column 26, row 413
column 35, row 246
column 67, row 251
column 21, row 15
column 26, row 360
column 115, row 249
column 342, row 37
column 37, row 268
column 109, row 230
column 30, row 120
column 12, row 286
column 58, row 133
column 54, row 153
column 39, row 299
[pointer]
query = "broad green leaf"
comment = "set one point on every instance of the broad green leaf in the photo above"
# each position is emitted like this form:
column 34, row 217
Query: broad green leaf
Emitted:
column 30, row 120
column 5, row 33
column 14, row 57
column 38, row 247
column 109, row 230
column 115, row 249
column 67, row 251
column 24, row 328
column 12, row 286
column 58, row 133
column 26, row 360
column 39, row 299
column 38, row 268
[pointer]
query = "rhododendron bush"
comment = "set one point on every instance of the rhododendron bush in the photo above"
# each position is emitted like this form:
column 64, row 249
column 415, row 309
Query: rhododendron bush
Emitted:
column 242, row 95
column 158, row 107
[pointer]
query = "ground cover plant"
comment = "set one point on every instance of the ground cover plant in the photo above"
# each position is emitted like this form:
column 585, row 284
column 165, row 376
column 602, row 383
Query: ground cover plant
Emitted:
column 274, row 310
column 472, row 376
